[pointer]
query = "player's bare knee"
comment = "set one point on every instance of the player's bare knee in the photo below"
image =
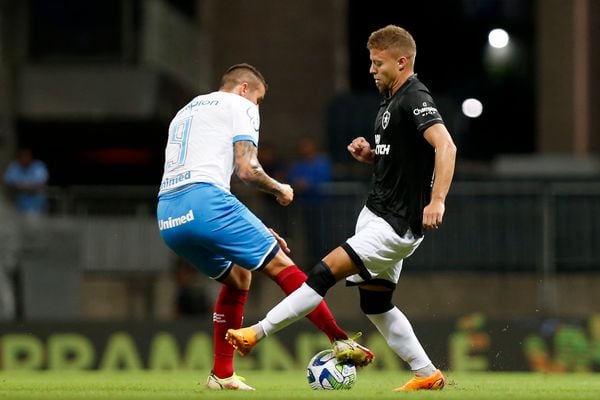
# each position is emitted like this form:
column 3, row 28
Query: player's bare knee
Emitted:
column 238, row 278
column 375, row 301
column 277, row 264
column 320, row 278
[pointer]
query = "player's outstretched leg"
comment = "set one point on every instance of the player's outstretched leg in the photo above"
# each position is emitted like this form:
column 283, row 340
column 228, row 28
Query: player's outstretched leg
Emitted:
column 345, row 348
column 350, row 351
column 432, row 382
column 234, row 382
column 290, row 279
column 244, row 339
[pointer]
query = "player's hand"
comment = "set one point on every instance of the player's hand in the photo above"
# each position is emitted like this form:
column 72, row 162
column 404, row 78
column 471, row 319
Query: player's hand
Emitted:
column 281, row 242
column 360, row 149
column 286, row 194
column 433, row 215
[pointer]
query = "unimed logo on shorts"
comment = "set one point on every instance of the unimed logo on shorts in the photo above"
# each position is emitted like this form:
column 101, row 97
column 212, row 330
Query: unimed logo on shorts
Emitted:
column 173, row 222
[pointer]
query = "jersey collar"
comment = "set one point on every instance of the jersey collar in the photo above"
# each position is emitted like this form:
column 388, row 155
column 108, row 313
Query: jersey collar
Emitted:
column 402, row 89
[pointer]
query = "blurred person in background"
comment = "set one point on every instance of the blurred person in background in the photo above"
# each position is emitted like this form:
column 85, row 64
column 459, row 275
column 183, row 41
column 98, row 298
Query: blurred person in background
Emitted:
column 25, row 180
column 308, row 175
column 413, row 158
column 310, row 171
column 210, row 138
column 25, row 184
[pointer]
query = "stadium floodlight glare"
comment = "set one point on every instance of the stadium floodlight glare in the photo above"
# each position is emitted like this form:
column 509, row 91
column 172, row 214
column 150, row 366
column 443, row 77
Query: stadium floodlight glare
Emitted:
column 498, row 38
column 472, row 108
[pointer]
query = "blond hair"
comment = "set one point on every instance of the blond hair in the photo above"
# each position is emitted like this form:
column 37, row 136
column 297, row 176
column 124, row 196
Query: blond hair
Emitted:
column 393, row 38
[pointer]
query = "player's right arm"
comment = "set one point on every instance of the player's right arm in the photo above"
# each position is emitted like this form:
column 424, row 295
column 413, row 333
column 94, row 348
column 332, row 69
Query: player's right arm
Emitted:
column 249, row 170
column 360, row 149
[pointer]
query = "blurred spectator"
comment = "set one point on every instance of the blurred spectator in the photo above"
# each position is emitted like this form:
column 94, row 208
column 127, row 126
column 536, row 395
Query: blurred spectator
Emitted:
column 310, row 171
column 25, row 180
column 307, row 176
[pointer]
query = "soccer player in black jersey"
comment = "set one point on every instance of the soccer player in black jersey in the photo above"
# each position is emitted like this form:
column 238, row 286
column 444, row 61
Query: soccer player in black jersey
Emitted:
column 413, row 159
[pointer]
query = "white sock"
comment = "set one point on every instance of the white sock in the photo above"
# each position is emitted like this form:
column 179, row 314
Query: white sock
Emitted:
column 295, row 306
column 399, row 334
column 426, row 371
column 260, row 333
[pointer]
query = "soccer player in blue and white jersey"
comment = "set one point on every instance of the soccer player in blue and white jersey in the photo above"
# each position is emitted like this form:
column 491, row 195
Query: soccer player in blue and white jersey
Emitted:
column 209, row 139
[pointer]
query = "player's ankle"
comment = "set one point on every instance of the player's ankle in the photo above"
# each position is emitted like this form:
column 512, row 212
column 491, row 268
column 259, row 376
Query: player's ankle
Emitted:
column 425, row 371
column 260, row 332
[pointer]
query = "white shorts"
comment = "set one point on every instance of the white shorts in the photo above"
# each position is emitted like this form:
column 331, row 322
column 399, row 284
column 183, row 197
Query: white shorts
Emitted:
column 378, row 248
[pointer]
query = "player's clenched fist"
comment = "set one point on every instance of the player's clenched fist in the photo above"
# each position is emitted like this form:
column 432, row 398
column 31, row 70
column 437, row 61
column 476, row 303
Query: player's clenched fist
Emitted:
column 360, row 149
column 286, row 194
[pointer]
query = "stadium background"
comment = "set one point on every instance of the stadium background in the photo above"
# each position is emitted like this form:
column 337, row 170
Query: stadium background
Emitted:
column 511, row 280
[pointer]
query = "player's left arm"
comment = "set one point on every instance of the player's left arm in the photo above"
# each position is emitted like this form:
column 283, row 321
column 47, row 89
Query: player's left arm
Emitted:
column 445, row 157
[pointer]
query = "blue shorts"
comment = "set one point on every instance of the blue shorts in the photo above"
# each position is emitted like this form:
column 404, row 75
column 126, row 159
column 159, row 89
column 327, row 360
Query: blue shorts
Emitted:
column 212, row 229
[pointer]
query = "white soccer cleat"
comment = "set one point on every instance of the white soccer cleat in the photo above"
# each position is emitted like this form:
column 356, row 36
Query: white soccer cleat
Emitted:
column 234, row 382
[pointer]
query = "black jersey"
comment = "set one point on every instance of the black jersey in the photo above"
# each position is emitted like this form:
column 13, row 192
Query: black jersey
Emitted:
column 404, row 160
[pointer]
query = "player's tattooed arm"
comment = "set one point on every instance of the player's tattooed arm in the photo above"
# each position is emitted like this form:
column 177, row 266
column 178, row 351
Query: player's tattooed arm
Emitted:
column 249, row 170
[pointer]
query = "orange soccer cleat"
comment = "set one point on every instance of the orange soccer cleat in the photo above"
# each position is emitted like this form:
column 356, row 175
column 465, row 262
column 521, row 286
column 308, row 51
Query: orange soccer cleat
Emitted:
column 243, row 339
column 433, row 382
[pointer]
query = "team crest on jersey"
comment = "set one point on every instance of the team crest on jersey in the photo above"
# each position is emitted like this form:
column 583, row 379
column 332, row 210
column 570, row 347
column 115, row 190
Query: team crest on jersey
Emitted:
column 252, row 113
column 385, row 119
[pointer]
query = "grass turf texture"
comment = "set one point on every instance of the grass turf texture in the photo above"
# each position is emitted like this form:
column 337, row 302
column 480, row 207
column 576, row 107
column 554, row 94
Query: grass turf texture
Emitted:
column 290, row 385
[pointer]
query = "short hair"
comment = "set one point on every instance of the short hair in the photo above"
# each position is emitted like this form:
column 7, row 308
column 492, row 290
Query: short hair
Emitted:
column 240, row 73
column 393, row 37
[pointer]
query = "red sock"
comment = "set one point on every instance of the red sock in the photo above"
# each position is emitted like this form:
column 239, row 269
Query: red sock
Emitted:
column 228, row 313
column 290, row 279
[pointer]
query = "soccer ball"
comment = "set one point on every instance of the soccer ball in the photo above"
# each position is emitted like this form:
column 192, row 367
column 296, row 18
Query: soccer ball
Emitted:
column 324, row 371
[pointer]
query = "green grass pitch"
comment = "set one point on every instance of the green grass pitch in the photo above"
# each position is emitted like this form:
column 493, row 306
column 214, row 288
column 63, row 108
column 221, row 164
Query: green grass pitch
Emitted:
column 371, row 384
